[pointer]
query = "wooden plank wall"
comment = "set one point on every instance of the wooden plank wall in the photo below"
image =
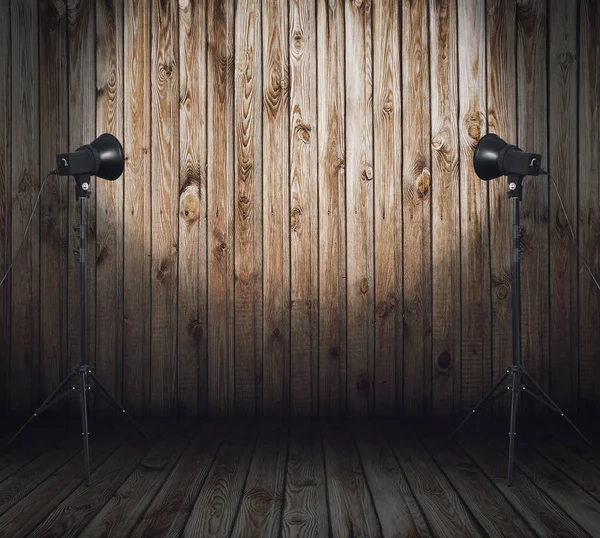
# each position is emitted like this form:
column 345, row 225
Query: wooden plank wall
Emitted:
column 299, row 229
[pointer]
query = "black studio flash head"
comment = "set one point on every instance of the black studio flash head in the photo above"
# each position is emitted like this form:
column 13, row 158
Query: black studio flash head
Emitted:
column 493, row 158
column 103, row 158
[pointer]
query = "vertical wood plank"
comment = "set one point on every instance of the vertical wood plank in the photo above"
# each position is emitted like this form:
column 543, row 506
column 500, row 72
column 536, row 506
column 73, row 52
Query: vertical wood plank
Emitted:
column 589, row 198
column 532, row 136
column 248, row 209
column 502, row 120
column 303, row 205
column 5, row 204
column 332, row 206
column 416, row 209
column 276, row 200
column 445, row 208
column 220, row 211
column 24, row 367
column 192, row 285
column 82, row 130
column 165, row 187
column 476, row 312
column 109, row 200
column 387, row 160
column 55, row 199
column 562, row 131
column 359, row 199
column 137, row 230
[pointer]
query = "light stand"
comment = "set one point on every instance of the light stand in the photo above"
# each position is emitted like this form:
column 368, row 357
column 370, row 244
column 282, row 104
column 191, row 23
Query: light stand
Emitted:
column 82, row 378
column 516, row 371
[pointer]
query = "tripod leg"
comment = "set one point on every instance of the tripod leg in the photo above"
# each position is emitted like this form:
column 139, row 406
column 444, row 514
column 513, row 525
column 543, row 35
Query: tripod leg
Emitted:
column 84, row 425
column 485, row 399
column 550, row 403
column 516, row 383
column 116, row 404
column 53, row 398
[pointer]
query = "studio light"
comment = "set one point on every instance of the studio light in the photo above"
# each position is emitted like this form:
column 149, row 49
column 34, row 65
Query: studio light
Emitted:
column 493, row 158
column 103, row 158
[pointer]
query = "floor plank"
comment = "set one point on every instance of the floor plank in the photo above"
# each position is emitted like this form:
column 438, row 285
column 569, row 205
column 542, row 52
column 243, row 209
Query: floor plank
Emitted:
column 305, row 511
column 446, row 514
column 387, row 483
column 27, row 514
column 25, row 448
column 542, row 514
column 488, row 505
column 215, row 509
column 73, row 514
column 299, row 478
column 583, row 473
column 573, row 499
column 30, row 476
column 169, row 511
column 260, row 510
column 350, row 504
column 123, row 510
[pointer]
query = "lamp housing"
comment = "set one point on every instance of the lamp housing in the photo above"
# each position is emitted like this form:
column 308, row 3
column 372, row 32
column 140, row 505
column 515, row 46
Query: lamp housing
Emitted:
column 103, row 158
column 493, row 157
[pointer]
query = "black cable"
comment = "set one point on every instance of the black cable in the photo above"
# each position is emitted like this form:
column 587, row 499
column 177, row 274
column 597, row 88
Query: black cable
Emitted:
column 27, row 227
column 562, row 205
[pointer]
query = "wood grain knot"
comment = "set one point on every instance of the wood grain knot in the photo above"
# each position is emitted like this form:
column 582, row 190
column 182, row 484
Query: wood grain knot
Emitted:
column 195, row 331
column 362, row 383
column 165, row 71
column 298, row 38
column 502, row 284
column 190, row 202
column 275, row 90
column 56, row 13
column 162, row 270
column 340, row 163
column 382, row 309
column 260, row 501
column 220, row 250
column 295, row 218
column 297, row 520
column 437, row 142
column 276, row 332
column 566, row 60
column 387, row 108
column 561, row 222
column 25, row 184
column 302, row 132
column 444, row 360
column 367, row 173
column 244, row 206
column 102, row 255
column 364, row 286
column 364, row 4
column 392, row 299
column 423, row 183
column 334, row 353
column 473, row 123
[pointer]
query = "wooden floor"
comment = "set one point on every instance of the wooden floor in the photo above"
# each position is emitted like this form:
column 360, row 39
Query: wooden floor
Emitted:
column 299, row 478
